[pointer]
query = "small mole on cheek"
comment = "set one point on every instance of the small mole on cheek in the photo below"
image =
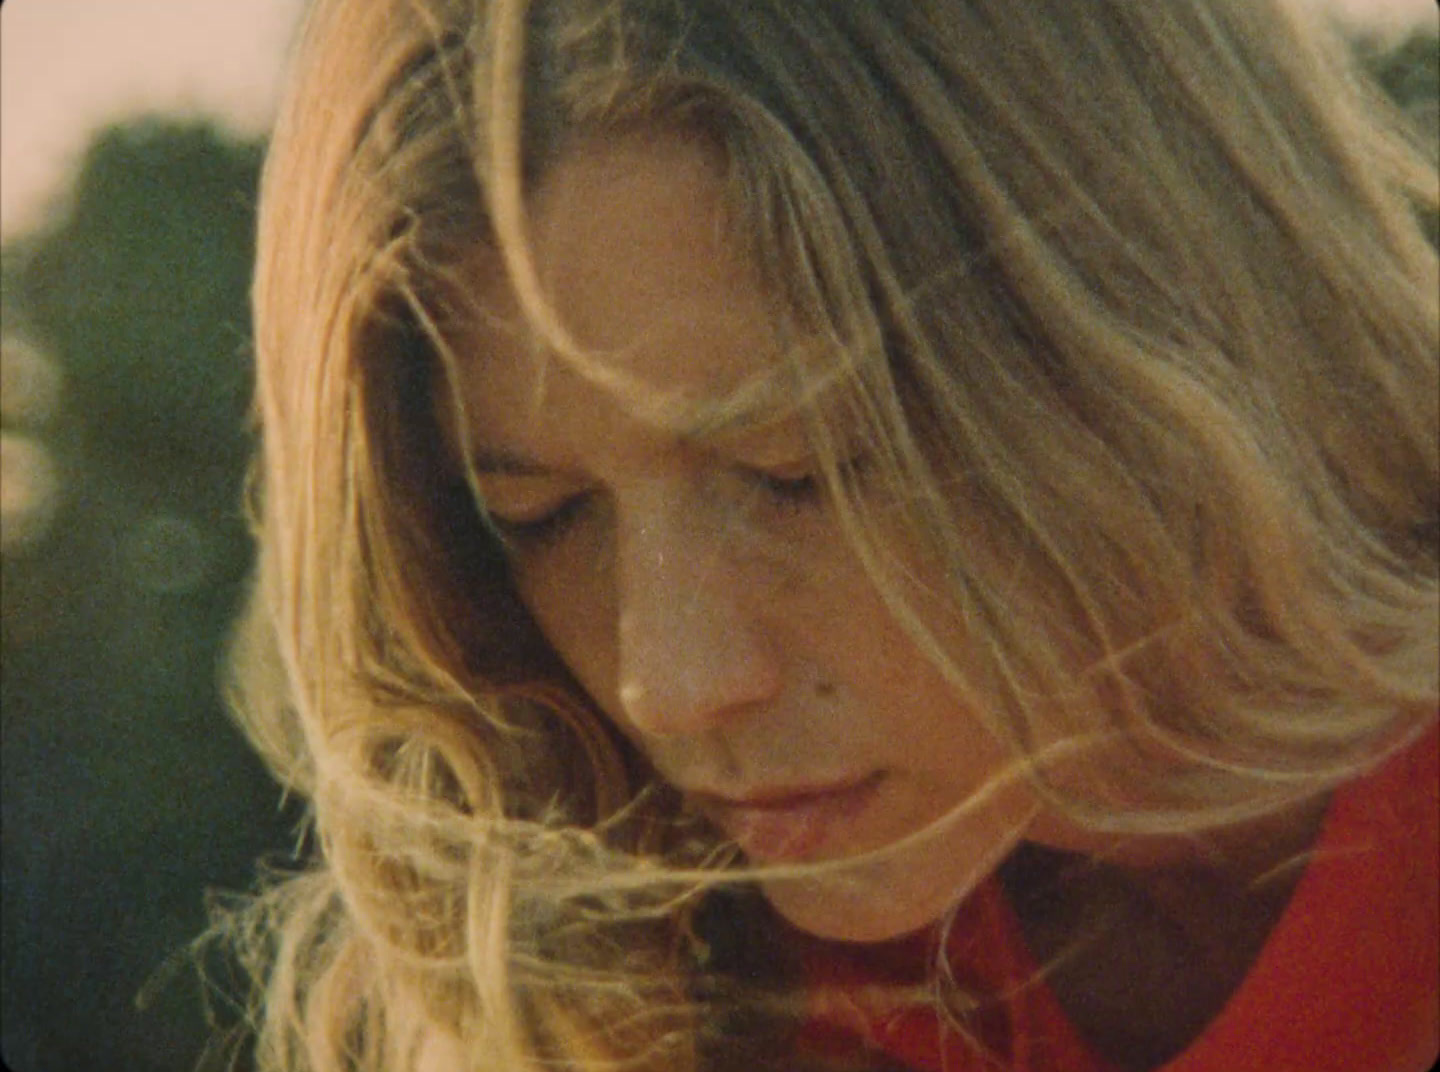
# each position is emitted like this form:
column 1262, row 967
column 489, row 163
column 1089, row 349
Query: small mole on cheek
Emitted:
column 825, row 690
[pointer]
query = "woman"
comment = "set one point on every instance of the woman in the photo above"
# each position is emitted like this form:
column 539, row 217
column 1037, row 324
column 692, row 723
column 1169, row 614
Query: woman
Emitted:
column 845, row 535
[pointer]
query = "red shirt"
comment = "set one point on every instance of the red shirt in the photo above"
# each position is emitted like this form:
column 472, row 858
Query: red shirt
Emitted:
column 1347, row 981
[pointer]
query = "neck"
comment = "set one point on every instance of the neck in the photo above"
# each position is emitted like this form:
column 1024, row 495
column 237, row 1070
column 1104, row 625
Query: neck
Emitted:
column 1144, row 947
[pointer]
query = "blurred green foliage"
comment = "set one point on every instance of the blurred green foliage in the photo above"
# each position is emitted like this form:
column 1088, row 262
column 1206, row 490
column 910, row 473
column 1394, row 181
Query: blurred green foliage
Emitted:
column 125, row 791
column 1408, row 72
column 142, row 286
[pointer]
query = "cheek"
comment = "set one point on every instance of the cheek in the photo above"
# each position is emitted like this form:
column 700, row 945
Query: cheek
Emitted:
column 575, row 610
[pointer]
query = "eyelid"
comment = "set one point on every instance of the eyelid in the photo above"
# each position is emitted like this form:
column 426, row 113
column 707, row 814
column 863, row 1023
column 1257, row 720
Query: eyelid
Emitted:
column 800, row 484
column 531, row 533
column 524, row 496
column 808, row 466
column 800, row 468
column 528, row 511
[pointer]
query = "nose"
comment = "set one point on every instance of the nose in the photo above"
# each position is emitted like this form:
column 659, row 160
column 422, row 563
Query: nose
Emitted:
column 692, row 653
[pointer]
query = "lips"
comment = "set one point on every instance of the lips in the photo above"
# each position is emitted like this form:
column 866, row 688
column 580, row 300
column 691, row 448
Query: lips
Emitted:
column 789, row 824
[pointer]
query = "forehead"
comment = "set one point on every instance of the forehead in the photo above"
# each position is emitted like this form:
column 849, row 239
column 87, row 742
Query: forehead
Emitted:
column 630, row 247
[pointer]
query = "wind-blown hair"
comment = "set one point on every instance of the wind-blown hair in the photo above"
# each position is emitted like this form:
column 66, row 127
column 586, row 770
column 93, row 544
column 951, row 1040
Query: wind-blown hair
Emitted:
column 1129, row 302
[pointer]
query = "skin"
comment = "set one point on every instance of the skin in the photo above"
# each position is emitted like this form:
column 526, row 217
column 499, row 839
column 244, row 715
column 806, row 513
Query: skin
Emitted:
column 701, row 589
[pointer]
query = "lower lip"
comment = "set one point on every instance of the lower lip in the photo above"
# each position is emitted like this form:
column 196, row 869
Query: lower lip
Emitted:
column 792, row 828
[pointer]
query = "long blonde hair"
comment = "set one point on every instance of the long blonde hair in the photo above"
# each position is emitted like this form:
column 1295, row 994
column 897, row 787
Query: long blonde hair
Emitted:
column 1133, row 291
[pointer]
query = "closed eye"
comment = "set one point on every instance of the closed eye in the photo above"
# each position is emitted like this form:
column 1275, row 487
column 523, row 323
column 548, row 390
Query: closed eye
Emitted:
column 798, row 487
column 805, row 489
column 533, row 533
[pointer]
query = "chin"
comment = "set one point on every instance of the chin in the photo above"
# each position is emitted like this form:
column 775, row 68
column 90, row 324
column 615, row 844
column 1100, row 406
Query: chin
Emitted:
column 895, row 893
column 859, row 906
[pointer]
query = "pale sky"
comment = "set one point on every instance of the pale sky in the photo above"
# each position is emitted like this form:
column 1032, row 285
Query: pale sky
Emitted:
column 68, row 66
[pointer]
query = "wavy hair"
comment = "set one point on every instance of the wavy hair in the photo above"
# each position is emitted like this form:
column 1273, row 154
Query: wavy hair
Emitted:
column 1134, row 291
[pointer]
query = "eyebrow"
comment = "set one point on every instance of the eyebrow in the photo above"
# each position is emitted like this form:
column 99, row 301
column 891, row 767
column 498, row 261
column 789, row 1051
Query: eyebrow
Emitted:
column 507, row 461
column 502, row 461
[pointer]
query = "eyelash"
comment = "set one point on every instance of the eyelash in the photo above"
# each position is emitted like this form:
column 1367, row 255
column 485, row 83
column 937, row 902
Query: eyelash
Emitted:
column 806, row 490
column 541, row 532
column 787, row 494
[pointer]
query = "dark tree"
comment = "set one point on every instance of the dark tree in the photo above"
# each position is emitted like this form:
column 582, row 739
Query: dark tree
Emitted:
column 126, row 792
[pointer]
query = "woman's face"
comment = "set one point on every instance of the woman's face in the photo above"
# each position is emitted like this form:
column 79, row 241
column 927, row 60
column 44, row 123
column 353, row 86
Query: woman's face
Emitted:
column 701, row 588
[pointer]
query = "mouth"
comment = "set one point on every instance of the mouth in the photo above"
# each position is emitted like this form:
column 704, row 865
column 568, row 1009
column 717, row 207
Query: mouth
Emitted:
column 788, row 823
